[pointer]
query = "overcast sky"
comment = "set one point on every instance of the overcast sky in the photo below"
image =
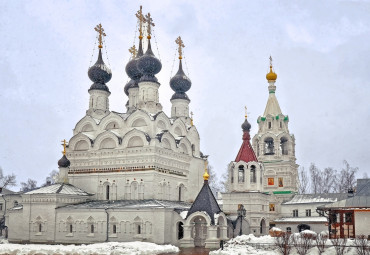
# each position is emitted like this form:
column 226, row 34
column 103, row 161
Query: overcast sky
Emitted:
column 321, row 54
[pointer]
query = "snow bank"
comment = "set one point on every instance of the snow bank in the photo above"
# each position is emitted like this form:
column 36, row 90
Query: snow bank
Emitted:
column 275, row 229
column 111, row 248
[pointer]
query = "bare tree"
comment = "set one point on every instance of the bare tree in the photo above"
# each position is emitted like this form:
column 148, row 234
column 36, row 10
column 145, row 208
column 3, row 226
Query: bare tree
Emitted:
column 283, row 243
column 213, row 181
column 329, row 180
column 7, row 180
column 29, row 185
column 347, row 178
column 316, row 179
column 225, row 182
column 302, row 242
column 362, row 245
column 51, row 178
column 339, row 245
column 321, row 242
column 304, row 182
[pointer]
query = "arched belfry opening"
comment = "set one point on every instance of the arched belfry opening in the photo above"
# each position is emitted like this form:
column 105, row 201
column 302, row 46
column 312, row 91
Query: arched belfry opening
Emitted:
column 241, row 174
column 284, row 146
column 253, row 177
column 269, row 146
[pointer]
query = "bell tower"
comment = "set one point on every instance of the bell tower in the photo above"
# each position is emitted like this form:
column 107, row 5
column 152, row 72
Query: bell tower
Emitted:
column 275, row 145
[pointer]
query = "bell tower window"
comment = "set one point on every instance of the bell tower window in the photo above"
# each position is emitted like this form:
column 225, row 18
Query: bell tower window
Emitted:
column 241, row 174
column 253, row 174
column 284, row 146
column 269, row 146
column 270, row 125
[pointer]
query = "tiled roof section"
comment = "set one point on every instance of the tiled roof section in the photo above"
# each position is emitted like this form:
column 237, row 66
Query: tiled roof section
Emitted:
column 316, row 198
column 131, row 204
column 246, row 152
column 60, row 188
column 205, row 202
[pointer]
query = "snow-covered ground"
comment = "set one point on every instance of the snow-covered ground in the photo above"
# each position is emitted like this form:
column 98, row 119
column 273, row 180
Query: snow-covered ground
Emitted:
column 243, row 245
column 111, row 248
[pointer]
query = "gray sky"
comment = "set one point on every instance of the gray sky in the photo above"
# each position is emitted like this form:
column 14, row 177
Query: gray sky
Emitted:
column 320, row 49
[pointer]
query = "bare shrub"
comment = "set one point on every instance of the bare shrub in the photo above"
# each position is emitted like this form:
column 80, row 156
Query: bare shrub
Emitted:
column 339, row 245
column 362, row 245
column 302, row 242
column 320, row 242
column 283, row 243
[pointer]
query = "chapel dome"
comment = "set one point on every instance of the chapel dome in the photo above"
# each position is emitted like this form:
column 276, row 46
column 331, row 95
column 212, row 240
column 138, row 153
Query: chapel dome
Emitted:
column 132, row 69
column 149, row 65
column 99, row 73
column 130, row 84
column 271, row 76
column 180, row 83
column 246, row 126
column 64, row 162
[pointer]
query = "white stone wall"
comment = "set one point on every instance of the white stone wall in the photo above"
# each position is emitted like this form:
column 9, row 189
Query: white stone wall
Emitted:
column 362, row 222
column 316, row 227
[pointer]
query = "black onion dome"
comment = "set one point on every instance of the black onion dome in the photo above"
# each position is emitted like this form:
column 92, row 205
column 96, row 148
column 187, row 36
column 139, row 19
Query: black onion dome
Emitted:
column 180, row 95
column 64, row 162
column 130, row 84
column 149, row 65
column 132, row 70
column 180, row 83
column 100, row 74
column 246, row 126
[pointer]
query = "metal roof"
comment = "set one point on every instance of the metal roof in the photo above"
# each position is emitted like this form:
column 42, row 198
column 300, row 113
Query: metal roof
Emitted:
column 131, row 204
column 316, row 198
column 59, row 188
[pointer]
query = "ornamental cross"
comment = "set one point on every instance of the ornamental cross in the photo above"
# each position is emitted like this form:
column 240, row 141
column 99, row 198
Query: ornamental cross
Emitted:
column 150, row 23
column 270, row 60
column 100, row 30
column 64, row 143
column 181, row 45
column 133, row 51
column 139, row 15
column 246, row 112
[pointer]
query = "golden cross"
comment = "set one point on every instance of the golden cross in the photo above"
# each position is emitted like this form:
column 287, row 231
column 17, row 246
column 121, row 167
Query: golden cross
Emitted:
column 246, row 114
column 149, row 20
column 191, row 118
column 100, row 30
column 133, row 51
column 270, row 61
column 64, row 143
column 181, row 45
column 139, row 15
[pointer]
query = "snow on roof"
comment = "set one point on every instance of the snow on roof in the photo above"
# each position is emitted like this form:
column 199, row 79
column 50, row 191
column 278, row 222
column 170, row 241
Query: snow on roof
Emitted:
column 183, row 214
column 302, row 219
column 316, row 198
column 89, row 135
column 353, row 202
column 132, row 204
column 59, row 188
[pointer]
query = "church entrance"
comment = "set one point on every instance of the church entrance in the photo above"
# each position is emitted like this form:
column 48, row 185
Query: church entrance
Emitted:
column 199, row 231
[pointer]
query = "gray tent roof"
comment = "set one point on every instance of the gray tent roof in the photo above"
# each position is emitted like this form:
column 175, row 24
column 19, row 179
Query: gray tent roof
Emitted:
column 205, row 202
column 59, row 188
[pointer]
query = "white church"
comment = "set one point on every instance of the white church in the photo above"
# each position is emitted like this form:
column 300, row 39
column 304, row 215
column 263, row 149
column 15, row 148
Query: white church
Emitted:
column 140, row 175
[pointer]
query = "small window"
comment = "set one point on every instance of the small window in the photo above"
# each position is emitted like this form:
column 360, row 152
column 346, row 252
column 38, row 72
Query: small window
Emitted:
column 308, row 212
column 281, row 124
column 272, row 207
column 114, row 229
column 70, row 228
column 295, row 213
column 138, row 229
column 241, row 174
column 270, row 125
column 180, row 233
column 40, row 227
column 1, row 207
column 92, row 228
column 288, row 229
column 107, row 192
column 15, row 203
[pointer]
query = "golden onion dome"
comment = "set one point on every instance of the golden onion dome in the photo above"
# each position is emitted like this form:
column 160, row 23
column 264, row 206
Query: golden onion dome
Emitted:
column 206, row 176
column 271, row 76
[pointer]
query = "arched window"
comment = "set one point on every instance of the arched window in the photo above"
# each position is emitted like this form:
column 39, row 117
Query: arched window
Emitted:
column 232, row 174
column 241, row 174
column 15, row 203
column 253, row 174
column 92, row 228
column 114, row 229
column 180, row 230
column 70, row 228
column 284, row 146
column 40, row 227
column 138, row 229
column 288, row 229
column 107, row 192
column 134, row 190
column 269, row 146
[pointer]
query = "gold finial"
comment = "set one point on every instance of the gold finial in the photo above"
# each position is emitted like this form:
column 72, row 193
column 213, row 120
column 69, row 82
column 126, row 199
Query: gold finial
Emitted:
column 150, row 23
column 246, row 113
column 271, row 76
column 191, row 119
column 100, row 30
column 139, row 15
column 133, row 51
column 206, row 175
column 181, row 45
column 64, row 143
